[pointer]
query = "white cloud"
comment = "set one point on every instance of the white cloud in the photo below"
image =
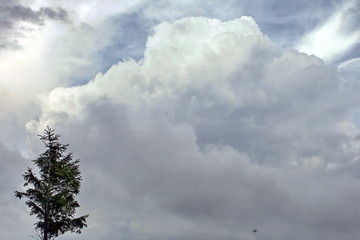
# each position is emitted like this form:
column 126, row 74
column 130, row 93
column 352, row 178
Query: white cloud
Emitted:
column 214, row 133
column 336, row 36
column 52, row 54
column 350, row 68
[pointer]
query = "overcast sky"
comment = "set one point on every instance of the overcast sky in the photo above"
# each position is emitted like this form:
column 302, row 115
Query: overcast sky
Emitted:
column 193, row 119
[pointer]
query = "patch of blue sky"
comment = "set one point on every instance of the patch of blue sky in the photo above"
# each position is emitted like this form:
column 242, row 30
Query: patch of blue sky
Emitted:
column 128, row 40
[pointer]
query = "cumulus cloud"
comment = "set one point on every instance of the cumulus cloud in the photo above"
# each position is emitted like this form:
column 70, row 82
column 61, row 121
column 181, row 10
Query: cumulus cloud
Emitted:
column 215, row 132
column 285, row 22
column 60, row 46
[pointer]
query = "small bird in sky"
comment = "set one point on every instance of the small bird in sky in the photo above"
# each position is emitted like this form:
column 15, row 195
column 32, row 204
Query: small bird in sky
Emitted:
column 255, row 230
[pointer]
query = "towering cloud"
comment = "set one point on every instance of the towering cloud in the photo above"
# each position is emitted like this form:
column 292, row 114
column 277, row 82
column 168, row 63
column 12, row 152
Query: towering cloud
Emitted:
column 215, row 132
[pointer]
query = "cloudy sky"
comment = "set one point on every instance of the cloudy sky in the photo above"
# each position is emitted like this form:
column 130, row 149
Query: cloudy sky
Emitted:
column 193, row 119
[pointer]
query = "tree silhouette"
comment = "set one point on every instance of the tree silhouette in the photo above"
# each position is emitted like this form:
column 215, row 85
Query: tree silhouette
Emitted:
column 51, row 195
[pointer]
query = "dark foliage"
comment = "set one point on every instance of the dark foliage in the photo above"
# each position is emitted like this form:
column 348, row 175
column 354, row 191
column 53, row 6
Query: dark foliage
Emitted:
column 51, row 195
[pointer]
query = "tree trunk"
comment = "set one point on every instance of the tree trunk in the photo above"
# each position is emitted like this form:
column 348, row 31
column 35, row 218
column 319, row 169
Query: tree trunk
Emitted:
column 46, row 222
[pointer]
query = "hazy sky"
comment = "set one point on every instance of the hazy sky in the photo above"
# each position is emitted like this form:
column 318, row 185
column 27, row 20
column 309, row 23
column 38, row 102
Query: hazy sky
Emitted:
column 193, row 119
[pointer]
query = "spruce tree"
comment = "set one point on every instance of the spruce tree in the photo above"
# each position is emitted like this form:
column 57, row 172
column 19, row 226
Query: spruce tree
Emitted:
column 51, row 193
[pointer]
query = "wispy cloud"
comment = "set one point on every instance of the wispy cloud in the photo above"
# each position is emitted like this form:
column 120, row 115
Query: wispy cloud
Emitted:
column 336, row 36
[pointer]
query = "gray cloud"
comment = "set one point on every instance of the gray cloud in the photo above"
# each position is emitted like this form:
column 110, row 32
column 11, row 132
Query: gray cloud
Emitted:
column 155, row 177
column 13, row 15
column 12, row 211
column 215, row 132
column 11, row 160
column 351, row 17
column 59, row 14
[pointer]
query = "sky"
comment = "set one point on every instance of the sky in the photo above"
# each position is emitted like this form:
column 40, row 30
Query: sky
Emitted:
column 193, row 119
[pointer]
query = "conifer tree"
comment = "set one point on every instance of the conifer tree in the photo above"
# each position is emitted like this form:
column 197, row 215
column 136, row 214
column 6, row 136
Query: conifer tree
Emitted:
column 51, row 193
